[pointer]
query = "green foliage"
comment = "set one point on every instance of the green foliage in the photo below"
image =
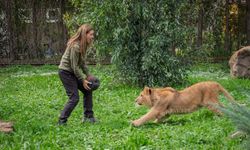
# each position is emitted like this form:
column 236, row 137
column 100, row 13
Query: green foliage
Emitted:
column 240, row 116
column 103, row 15
column 151, row 41
column 179, row 18
column 141, row 37
column 32, row 98
column 146, row 44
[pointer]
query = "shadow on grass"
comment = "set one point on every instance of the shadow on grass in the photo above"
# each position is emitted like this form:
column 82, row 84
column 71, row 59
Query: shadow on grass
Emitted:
column 115, row 124
column 170, row 122
column 178, row 122
column 151, row 125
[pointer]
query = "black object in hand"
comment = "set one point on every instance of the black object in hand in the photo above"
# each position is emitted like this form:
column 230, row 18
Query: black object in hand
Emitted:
column 94, row 83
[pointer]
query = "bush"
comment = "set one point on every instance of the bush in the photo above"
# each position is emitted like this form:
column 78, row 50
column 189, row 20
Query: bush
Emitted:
column 147, row 43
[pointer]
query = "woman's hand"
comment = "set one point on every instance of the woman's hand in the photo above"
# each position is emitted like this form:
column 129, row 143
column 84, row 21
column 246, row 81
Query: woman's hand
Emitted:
column 85, row 84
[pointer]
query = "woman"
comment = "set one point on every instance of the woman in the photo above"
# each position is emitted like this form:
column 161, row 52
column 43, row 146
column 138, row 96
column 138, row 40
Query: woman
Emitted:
column 73, row 73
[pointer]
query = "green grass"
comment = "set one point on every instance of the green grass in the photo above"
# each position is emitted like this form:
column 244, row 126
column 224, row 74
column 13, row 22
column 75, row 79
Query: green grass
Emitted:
column 32, row 98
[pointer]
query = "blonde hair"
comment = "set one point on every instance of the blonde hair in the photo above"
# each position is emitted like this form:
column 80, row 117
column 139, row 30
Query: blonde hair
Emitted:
column 80, row 36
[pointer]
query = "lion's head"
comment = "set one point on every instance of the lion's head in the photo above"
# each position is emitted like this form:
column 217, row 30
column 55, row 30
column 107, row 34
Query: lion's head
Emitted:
column 145, row 97
column 150, row 96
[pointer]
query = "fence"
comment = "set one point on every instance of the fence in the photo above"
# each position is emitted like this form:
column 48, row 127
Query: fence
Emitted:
column 32, row 31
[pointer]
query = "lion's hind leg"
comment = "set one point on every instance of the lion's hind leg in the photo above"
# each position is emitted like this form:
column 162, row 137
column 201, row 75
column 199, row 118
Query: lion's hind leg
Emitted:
column 215, row 110
column 211, row 101
column 212, row 104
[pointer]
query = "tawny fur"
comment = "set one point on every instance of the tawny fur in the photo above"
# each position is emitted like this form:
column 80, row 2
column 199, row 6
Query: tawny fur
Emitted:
column 166, row 101
column 6, row 127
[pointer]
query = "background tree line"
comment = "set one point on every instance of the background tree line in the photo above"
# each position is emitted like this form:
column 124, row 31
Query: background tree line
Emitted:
column 152, row 42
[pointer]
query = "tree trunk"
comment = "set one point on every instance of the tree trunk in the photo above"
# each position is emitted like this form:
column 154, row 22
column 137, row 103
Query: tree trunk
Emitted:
column 200, row 26
column 227, row 34
column 11, row 42
column 35, row 44
column 238, row 24
column 64, row 29
column 248, row 22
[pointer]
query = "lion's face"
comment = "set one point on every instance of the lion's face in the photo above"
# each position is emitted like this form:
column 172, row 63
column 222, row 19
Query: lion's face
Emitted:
column 145, row 97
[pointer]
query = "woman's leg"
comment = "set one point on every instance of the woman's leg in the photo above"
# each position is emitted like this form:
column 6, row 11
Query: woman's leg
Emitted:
column 87, row 101
column 70, row 84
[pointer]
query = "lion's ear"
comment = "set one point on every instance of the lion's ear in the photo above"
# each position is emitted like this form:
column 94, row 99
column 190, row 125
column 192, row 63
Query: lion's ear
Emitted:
column 149, row 91
column 146, row 88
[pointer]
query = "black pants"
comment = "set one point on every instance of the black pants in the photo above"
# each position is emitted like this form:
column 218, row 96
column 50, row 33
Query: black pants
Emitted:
column 71, row 85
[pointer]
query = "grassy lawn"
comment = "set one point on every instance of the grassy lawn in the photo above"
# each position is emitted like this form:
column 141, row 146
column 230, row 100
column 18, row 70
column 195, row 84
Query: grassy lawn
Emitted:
column 32, row 98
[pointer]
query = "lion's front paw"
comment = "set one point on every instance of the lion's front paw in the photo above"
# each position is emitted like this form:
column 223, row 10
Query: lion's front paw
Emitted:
column 136, row 123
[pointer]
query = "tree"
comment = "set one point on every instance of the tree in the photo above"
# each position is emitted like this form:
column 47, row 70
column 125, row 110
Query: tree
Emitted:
column 148, row 43
column 200, row 24
column 248, row 22
column 227, row 34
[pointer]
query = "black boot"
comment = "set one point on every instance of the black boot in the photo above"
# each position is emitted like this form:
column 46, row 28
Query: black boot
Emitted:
column 89, row 119
column 62, row 122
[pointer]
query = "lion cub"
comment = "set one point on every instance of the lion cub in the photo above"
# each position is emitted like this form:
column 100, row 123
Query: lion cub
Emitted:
column 166, row 101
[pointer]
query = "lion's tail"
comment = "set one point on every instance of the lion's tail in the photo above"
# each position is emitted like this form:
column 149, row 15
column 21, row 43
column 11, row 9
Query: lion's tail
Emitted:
column 226, row 93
